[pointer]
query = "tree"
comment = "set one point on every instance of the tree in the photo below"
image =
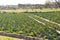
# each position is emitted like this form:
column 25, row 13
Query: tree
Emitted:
column 48, row 4
column 57, row 2
column 54, row 3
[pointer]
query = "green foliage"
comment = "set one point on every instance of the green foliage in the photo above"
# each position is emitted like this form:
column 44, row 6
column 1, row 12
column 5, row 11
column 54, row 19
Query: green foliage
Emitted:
column 20, row 23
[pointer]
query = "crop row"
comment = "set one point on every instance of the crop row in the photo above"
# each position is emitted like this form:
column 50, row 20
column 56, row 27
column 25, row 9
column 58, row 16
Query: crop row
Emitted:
column 20, row 23
column 52, row 16
column 46, row 22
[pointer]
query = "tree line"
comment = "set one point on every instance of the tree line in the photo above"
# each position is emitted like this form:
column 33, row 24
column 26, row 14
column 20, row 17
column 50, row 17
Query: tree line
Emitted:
column 53, row 3
column 48, row 4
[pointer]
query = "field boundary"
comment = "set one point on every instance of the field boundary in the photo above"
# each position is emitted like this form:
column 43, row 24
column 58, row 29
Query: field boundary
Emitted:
column 20, row 36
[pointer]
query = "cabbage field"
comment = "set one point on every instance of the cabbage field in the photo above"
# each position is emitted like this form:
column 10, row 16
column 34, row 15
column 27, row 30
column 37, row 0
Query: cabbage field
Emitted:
column 35, row 24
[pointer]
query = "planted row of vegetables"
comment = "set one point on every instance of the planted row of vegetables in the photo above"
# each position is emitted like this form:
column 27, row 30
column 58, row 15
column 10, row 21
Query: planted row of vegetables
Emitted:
column 52, row 16
column 46, row 22
column 20, row 23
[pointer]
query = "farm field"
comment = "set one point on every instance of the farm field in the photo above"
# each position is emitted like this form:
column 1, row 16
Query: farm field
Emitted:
column 32, row 10
column 35, row 24
column 51, row 19
column 52, row 16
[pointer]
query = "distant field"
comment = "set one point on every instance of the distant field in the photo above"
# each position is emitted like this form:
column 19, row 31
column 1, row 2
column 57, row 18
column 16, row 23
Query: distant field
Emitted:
column 43, row 23
column 32, row 10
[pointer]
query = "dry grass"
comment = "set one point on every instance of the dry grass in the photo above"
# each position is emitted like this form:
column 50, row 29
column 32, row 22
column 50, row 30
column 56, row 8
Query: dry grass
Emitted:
column 7, row 38
column 31, row 10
